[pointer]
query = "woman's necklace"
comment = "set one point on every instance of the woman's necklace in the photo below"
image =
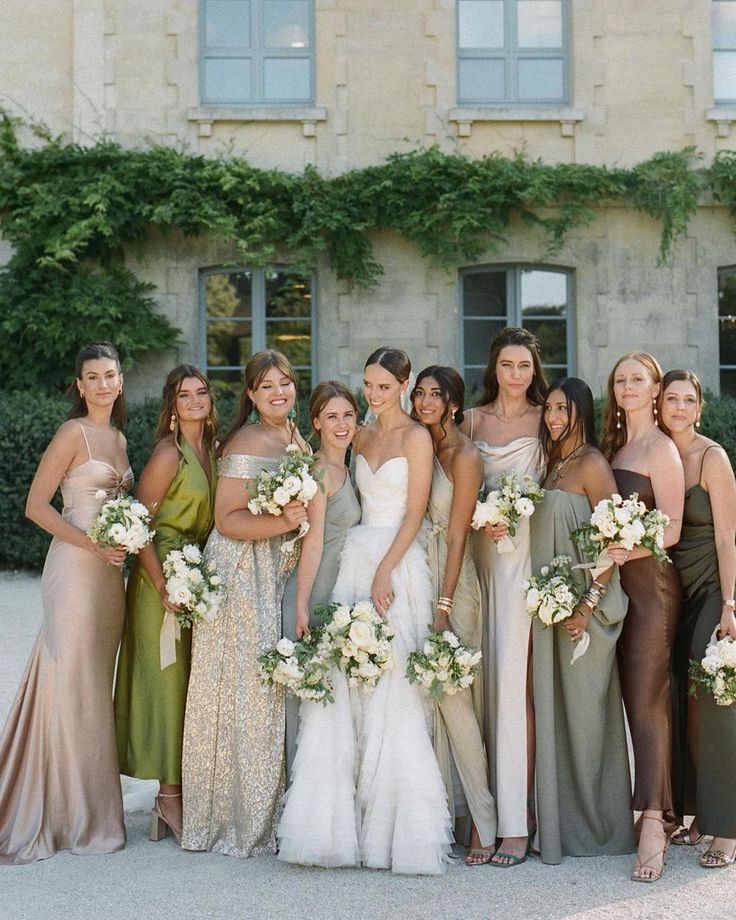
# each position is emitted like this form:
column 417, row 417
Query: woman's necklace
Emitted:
column 511, row 418
column 557, row 470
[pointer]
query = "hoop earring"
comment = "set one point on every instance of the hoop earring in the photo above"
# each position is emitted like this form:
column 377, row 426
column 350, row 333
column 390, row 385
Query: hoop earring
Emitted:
column 254, row 418
column 172, row 422
column 654, row 408
column 618, row 418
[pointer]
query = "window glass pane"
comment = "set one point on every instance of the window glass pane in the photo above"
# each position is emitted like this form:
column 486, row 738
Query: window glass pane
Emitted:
column 728, row 383
column 294, row 339
column 543, row 293
column 286, row 23
column 552, row 337
column 478, row 335
column 539, row 23
column 480, row 24
column 227, row 80
column 540, row 79
column 473, row 377
column 287, row 295
column 724, row 75
column 229, row 344
column 286, row 79
column 724, row 25
column 484, row 294
column 727, row 293
column 229, row 294
column 227, row 23
column 727, row 337
column 482, row 80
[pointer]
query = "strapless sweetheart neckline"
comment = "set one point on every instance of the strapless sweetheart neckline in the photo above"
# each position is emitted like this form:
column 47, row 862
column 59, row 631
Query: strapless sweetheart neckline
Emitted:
column 380, row 466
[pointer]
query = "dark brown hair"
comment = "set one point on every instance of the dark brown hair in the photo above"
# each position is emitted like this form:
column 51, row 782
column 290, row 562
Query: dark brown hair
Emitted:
column 394, row 360
column 324, row 392
column 513, row 335
column 168, row 404
column 452, row 390
column 679, row 374
column 255, row 370
column 577, row 393
column 93, row 352
column 614, row 425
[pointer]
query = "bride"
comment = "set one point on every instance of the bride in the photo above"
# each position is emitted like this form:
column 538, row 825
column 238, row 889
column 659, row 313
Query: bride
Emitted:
column 366, row 787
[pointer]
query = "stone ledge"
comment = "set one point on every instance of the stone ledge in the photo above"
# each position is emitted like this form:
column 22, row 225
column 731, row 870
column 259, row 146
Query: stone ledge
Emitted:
column 205, row 116
column 465, row 115
column 722, row 116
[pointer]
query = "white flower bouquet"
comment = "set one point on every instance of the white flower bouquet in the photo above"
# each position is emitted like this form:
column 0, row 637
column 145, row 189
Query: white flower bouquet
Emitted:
column 192, row 584
column 551, row 597
column 508, row 503
column 122, row 522
column 293, row 480
column 717, row 671
column 360, row 641
column 444, row 666
column 301, row 668
column 622, row 522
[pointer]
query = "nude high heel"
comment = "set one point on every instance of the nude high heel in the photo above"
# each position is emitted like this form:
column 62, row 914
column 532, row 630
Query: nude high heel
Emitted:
column 159, row 824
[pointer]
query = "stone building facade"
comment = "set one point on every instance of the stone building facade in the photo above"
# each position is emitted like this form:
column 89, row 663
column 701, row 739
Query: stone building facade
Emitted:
column 341, row 84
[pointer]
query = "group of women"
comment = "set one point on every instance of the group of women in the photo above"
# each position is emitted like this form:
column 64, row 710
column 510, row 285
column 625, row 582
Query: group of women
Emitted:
column 532, row 758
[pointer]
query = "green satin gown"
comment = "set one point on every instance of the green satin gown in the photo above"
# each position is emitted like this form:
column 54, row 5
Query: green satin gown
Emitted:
column 149, row 702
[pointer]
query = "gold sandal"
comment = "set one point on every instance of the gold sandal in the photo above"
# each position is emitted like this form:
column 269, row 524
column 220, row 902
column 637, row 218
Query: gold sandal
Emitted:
column 717, row 858
column 646, row 864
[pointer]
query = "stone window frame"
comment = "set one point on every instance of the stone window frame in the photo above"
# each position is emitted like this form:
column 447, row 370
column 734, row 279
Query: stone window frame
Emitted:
column 510, row 54
column 259, row 321
column 724, row 271
column 256, row 53
column 514, row 316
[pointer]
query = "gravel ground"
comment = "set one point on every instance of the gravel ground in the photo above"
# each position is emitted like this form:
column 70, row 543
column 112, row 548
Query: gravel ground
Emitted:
column 157, row 880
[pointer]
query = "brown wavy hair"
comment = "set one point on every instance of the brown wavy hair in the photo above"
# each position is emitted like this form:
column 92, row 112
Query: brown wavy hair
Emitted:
column 691, row 377
column 93, row 352
column 323, row 393
column 168, row 405
column 614, row 437
column 255, row 370
column 451, row 387
column 514, row 335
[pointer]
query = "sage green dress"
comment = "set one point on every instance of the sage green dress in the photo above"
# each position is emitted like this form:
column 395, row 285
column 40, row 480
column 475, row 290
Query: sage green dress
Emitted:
column 343, row 512
column 149, row 702
column 458, row 743
column 583, row 783
column 707, row 791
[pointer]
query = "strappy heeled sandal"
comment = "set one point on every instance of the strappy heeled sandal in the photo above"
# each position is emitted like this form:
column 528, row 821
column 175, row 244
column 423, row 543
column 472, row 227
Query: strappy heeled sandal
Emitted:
column 647, row 863
column 483, row 855
column 716, row 858
column 159, row 823
column 685, row 838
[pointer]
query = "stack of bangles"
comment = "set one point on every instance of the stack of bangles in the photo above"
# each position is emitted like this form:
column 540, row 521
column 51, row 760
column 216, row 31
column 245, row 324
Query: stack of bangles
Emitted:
column 593, row 595
column 445, row 604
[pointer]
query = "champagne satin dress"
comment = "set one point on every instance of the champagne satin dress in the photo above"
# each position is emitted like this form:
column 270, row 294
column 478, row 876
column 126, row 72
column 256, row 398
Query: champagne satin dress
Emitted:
column 59, row 781
column 645, row 656
column 149, row 702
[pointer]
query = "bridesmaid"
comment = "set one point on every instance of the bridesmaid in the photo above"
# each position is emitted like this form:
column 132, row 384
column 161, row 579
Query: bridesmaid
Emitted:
column 457, row 475
column 233, row 751
column 504, row 427
column 705, row 733
column 333, row 410
column 645, row 461
column 59, row 781
column 583, row 781
column 178, row 484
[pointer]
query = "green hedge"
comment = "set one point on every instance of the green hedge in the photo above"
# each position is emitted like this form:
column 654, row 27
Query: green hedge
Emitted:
column 30, row 420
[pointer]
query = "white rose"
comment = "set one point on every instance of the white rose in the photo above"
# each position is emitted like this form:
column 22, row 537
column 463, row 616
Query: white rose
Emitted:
column 711, row 664
column 180, row 595
column 309, row 488
column 428, row 648
column 192, row 553
column 451, row 639
column 139, row 509
column 254, row 507
column 285, row 647
column 195, row 577
column 292, row 484
column 281, row 496
column 362, row 635
column 215, row 581
column 532, row 599
column 728, row 653
column 368, row 670
column 117, row 533
column 524, row 507
column 292, row 448
column 622, row 515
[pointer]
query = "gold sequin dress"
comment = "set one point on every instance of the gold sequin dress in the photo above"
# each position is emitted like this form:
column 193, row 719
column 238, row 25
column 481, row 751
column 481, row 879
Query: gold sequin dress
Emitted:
column 233, row 757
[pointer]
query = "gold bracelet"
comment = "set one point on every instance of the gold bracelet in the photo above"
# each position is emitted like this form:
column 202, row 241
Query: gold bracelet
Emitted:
column 444, row 608
column 447, row 600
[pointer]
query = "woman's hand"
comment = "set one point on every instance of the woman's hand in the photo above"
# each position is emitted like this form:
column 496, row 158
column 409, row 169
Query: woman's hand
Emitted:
column 442, row 621
column 496, row 531
column 619, row 555
column 728, row 622
column 577, row 624
column 302, row 624
column 112, row 555
column 382, row 594
column 295, row 514
column 168, row 606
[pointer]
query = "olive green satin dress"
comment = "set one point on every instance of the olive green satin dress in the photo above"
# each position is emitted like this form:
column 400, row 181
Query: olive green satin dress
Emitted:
column 149, row 702
column 583, row 786
column 706, row 790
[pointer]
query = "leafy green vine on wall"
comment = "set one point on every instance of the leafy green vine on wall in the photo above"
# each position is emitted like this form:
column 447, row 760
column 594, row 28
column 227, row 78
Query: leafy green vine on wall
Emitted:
column 71, row 212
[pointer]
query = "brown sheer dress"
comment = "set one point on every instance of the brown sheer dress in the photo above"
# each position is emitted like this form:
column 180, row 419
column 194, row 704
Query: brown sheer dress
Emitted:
column 645, row 655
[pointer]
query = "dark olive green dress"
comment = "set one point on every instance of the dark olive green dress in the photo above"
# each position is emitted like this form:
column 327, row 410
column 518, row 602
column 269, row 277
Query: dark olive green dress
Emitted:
column 582, row 778
column 149, row 702
column 707, row 789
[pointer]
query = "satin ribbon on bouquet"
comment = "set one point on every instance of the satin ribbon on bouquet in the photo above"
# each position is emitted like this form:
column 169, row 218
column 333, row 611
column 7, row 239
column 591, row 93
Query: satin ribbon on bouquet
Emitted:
column 600, row 565
column 168, row 637
column 290, row 544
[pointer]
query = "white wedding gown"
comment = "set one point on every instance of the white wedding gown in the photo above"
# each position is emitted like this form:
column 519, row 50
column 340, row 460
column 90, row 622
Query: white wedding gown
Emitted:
column 366, row 787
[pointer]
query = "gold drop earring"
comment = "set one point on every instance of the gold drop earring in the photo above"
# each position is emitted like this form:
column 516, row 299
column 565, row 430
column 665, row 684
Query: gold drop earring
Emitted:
column 618, row 417
column 172, row 422
column 654, row 409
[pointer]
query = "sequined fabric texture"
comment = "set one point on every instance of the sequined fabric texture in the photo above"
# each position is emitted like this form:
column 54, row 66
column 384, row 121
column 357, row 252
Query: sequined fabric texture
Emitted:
column 233, row 757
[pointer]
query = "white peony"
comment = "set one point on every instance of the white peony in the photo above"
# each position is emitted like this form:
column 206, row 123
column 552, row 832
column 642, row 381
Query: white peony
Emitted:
column 281, row 496
column 451, row 639
column 341, row 617
column 117, row 532
column 285, row 647
column 524, row 507
column 309, row 488
column 362, row 635
column 192, row 553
